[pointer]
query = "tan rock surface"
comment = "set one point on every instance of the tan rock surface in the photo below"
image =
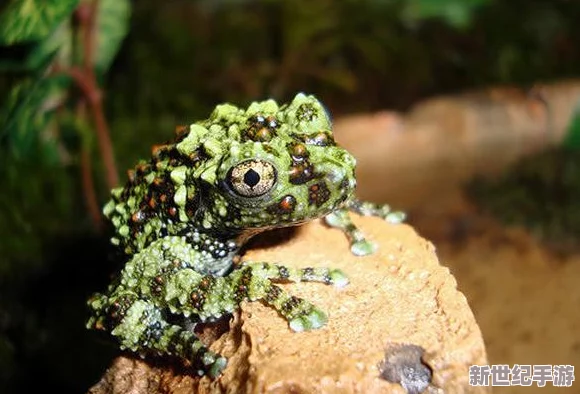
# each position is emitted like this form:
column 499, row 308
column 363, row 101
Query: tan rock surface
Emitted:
column 399, row 295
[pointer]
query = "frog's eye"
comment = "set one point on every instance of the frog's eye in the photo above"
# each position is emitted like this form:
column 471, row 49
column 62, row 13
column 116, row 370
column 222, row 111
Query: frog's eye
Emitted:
column 252, row 178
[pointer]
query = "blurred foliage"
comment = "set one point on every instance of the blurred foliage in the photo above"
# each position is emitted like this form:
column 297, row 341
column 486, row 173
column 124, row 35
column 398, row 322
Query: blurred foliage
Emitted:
column 540, row 193
column 43, row 217
column 178, row 60
column 572, row 140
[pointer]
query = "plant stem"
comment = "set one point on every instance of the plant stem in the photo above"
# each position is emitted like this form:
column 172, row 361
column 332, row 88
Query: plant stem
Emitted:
column 87, row 181
column 87, row 81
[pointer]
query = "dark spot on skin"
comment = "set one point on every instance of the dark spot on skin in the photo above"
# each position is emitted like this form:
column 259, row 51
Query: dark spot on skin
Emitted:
column 131, row 176
column 246, row 277
column 344, row 184
column 301, row 173
column 272, row 122
column 138, row 216
column 286, row 205
column 260, row 128
column 181, row 132
column 403, row 365
column 242, row 287
column 306, row 112
column 156, row 285
column 142, row 169
column 175, row 264
column 290, row 304
column 263, row 134
column 273, row 293
column 205, row 283
column 318, row 194
column 320, row 139
column 283, row 272
column 270, row 150
column 196, row 299
column 117, row 311
column 159, row 152
column 298, row 152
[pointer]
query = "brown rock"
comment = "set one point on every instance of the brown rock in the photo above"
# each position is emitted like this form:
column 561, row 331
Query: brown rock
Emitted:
column 398, row 296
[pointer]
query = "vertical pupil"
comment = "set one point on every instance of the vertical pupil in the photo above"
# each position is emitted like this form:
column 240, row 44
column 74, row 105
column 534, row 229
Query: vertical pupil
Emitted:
column 251, row 178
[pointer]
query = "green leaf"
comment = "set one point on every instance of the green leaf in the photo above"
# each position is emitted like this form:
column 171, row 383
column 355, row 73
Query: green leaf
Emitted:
column 32, row 20
column 112, row 27
column 27, row 115
column 37, row 55
column 572, row 138
column 455, row 12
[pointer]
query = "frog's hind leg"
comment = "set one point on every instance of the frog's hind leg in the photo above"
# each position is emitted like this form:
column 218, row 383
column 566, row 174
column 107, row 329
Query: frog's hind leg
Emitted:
column 300, row 314
column 340, row 219
column 140, row 326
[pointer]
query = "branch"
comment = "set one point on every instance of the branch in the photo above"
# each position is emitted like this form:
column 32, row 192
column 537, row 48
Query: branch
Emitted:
column 86, row 79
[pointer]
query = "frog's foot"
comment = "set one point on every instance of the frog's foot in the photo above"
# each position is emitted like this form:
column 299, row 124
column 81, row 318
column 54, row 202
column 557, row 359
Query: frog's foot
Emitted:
column 359, row 245
column 300, row 314
column 383, row 211
column 140, row 326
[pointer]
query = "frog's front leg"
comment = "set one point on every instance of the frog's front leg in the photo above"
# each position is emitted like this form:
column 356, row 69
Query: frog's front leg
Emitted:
column 340, row 219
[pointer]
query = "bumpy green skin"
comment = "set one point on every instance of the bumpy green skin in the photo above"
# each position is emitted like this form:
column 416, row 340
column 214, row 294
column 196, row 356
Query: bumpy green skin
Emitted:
column 184, row 215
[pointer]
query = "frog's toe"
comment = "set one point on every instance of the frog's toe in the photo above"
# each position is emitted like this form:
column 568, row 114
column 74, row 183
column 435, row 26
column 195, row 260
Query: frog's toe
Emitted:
column 363, row 248
column 338, row 278
column 395, row 217
column 311, row 320
column 213, row 364
column 217, row 367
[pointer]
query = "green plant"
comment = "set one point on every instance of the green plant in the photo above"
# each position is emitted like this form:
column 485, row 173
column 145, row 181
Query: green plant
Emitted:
column 54, row 55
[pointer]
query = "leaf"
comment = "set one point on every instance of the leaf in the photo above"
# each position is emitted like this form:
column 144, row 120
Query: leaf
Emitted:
column 572, row 138
column 28, row 112
column 112, row 27
column 32, row 20
column 455, row 12
column 37, row 55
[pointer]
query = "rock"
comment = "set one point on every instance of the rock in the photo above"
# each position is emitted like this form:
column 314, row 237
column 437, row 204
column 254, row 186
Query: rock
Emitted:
column 401, row 312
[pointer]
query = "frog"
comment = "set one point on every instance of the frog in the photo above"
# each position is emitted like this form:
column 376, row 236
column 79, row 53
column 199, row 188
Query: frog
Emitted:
column 184, row 216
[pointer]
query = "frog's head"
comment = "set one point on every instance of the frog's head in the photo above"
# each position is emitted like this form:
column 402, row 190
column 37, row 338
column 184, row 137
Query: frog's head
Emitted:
column 281, row 167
